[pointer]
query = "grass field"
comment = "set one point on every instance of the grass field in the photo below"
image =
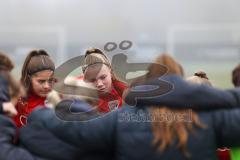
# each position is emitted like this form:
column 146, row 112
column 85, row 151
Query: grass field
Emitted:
column 219, row 73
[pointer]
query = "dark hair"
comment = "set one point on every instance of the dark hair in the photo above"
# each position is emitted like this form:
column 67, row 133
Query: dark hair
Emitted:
column 201, row 74
column 236, row 76
column 5, row 62
column 36, row 61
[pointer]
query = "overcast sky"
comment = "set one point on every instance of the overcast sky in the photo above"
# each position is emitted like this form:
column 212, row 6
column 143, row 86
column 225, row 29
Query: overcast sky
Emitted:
column 102, row 20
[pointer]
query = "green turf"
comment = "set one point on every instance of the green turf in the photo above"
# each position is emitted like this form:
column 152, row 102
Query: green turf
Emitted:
column 218, row 73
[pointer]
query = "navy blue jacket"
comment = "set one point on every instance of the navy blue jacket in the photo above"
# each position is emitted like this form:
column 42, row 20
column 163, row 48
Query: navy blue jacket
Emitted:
column 175, row 92
column 8, row 150
column 52, row 147
column 126, row 134
column 4, row 96
column 119, row 136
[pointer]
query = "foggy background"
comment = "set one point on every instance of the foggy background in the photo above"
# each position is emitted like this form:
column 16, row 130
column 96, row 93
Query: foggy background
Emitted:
column 199, row 34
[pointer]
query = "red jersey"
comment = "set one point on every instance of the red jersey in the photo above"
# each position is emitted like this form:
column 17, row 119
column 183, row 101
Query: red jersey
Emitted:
column 25, row 108
column 113, row 100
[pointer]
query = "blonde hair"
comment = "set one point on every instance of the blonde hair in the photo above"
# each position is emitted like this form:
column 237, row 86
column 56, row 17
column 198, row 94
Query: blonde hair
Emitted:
column 95, row 56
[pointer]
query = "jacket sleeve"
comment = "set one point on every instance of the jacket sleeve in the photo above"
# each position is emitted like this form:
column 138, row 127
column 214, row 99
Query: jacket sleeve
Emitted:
column 9, row 151
column 4, row 95
column 43, row 143
column 175, row 92
column 95, row 134
column 227, row 127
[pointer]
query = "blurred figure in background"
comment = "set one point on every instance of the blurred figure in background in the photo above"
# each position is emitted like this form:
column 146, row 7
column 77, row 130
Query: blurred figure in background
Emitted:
column 6, row 66
column 13, row 90
column 200, row 77
column 37, row 78
column 166, row 133
column 235, row 152
column 236, row 76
